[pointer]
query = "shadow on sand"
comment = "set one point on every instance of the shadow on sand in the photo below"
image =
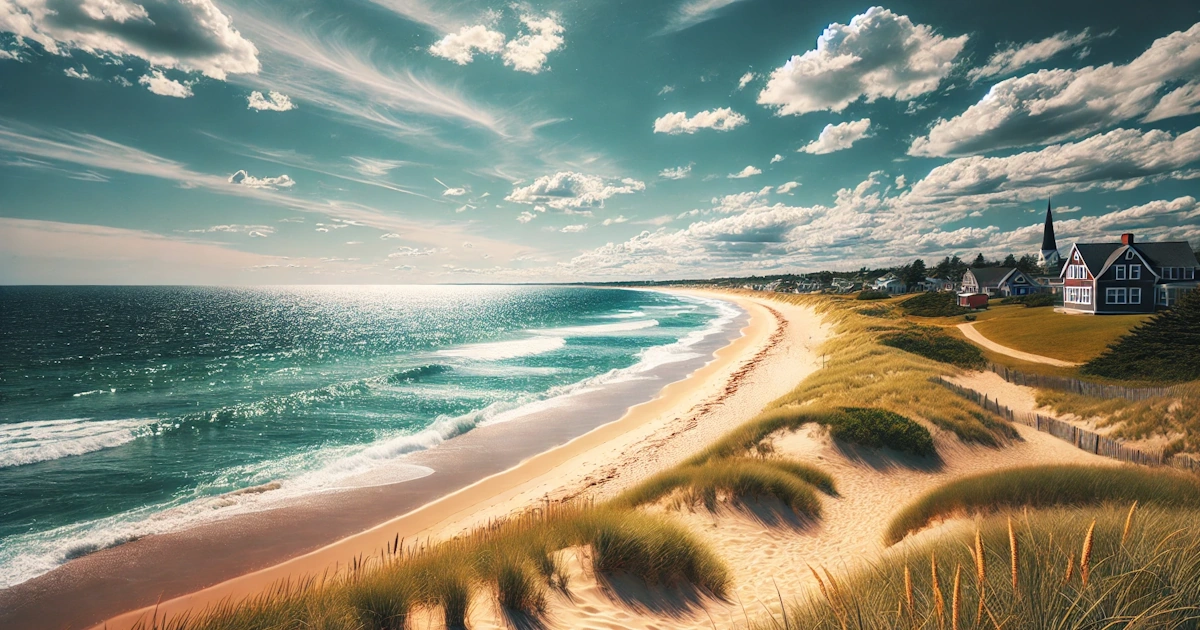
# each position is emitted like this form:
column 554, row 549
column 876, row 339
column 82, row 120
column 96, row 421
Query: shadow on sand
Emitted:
column 885, row 459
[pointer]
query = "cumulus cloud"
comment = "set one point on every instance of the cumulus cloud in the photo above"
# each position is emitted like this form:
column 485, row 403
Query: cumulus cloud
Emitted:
column 567, row 190
column 193, row 36
column 461, row 47
column 272, row 102
column 1013, row 57
column 777, row 158
column 749, row 171
column 526, row 216
column 745, row 80
column 787, row 187
column 571, row 229
column 722, row 119
column 82, row 75
column 615, row 220
column 242, row 178
column 528, row 52
column 159, row 84
column 901, row 182
column 679, row 172
column 878, row 55
column 838, row 137
column 412, row 252
column 1118, row 160
column 1055, row 105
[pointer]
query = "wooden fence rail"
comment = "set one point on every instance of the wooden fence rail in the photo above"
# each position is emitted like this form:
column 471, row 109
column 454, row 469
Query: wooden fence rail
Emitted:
column 1081, row 438
column 1076, row 386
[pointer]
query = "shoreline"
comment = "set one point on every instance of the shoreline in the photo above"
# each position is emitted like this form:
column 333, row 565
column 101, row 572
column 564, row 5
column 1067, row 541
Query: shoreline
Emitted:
column 96, row 592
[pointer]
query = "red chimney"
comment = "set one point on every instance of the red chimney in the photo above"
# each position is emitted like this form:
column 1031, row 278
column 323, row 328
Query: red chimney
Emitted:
column 1127, row 239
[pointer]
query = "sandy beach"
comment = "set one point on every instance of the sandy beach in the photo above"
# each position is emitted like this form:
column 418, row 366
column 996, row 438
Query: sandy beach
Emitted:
column 238, row 557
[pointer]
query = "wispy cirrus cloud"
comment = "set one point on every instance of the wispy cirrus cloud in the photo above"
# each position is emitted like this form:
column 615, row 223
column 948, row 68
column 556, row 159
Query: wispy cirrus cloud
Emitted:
column 692, row 12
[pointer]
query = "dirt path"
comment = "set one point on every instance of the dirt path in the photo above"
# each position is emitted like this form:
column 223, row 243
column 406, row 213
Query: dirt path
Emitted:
column 968, row 329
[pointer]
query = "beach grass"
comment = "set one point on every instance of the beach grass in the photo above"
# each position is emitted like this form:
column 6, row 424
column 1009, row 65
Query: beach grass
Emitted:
column 1063, row 568
column 512, row 561
column 1176, row 415
column 1045, row 486
column 738, row 479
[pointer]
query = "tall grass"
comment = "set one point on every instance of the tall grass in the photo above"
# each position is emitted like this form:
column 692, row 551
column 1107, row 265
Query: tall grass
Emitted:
column 860, row 371
column 734, row 478
column 1046, row 486
column 512, row 560
column 1177, row 415
column 1143, row 576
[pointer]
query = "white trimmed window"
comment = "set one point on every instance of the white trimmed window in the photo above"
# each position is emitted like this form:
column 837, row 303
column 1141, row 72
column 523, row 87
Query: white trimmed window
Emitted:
column 1135, row 295
column 1077, row 295
column 1076, row 272
column 1135, row 272
column 1162, row 296
column 1115, row 295
column 1189, row 273
column 1120, row 271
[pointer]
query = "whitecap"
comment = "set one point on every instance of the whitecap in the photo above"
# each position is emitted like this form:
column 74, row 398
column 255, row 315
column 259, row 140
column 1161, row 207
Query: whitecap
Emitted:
column 35, row 441
column 498, row 350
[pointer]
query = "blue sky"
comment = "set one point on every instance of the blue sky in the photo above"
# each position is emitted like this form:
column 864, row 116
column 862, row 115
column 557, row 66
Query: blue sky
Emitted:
column 418, row 141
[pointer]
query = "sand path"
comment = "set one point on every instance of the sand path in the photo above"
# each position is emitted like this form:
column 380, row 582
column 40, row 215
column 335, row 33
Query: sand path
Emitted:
column 968, row 329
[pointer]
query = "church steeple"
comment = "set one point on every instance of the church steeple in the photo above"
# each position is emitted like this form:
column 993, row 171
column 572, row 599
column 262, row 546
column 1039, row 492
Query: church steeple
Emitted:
column 1049, row 257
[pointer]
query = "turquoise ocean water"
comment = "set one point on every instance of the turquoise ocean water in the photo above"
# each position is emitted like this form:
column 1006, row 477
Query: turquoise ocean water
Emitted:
column 128, row 411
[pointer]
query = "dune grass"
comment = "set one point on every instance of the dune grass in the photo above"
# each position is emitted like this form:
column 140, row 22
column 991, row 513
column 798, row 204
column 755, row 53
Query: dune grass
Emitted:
column 933, row 343
column 512, row 561
column 1176, row 416
column 860, row 371
column 733, row 478
column 1064, row 568
column 934, row 304
column 1046, row 486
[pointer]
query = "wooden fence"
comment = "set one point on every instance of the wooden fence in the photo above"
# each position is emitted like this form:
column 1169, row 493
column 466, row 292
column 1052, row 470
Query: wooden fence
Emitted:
column 1076, row 386
column 1081, row 438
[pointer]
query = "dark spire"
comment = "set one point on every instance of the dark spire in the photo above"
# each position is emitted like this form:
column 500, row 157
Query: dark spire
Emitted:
column 1048, row 243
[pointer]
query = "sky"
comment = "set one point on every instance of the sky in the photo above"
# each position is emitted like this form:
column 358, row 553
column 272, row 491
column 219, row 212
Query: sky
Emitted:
column 430, row 141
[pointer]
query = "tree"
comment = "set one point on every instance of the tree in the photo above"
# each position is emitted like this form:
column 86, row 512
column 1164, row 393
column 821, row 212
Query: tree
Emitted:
column 1009, row 261
column 1161, row 349
column 1029, row 264
column 825, row 278
column 980, row 261
column 942, row 269
column 914, row 273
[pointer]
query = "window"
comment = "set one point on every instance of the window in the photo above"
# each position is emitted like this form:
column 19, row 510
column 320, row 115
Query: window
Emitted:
column 1077, row 295
column 1135, row 295
column 1135, row 272
column 1189, row 273
column 1162, row 296
column 1077, row 272
column 1120, row 270
column 1077, row 257
column 1114, row 295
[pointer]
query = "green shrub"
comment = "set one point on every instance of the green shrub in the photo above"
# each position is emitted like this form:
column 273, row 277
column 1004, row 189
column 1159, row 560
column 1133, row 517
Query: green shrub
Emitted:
column 1046, row 486
column 1162, row 349
column 1032, row 300
column 1144, row 577
column 933, row 304
column 932, row 343
column 879, row 428
column 873, row 295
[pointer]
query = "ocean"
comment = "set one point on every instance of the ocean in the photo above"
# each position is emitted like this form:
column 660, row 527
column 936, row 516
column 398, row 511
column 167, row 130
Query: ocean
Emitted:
column 130, row 411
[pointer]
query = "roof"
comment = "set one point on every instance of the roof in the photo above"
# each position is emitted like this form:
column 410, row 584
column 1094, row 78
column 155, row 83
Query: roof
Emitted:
column 1096, row 254
column 1048, row 243
column 990, row 276
column 1168, row 254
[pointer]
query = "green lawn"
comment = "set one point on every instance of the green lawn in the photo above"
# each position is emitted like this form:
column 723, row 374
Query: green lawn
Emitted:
column 1075, row 338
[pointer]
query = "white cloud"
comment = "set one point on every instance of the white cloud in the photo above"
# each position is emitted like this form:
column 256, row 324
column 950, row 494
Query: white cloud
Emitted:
column 79, row 74
column 749, row 171
column 838, row 137
column 666, row 89
column 373, row 167
column 901, row 182
column 745, row 80
column 272, row 102
column 528, row 52
column 1118, row 160
column 454, row 192
column 572, row 229
column 245, row 179
column 679, row 172
column 526, row 216
column 777, row 158
column 722, row 119
column 253, row 231
column 461, row 47
column 692, row 12
column 1182, row 101
column 615, row 220
column 878, row 55
column 787, row 187
column 413, row 252
column 1013, row 57
column 1054, row 105
column 389, row 236
column 190, row 36
column 566, row 190
column 159, row 84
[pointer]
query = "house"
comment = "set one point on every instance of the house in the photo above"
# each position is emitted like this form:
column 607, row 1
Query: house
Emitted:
column 998, row 282
column 1127, row 277
column 936, row 284
column 973, row 300
column 890, row 283
column 845, row 285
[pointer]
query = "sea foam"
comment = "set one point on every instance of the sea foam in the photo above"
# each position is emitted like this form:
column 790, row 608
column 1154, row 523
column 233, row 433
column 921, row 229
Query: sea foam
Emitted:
column 44, row 440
